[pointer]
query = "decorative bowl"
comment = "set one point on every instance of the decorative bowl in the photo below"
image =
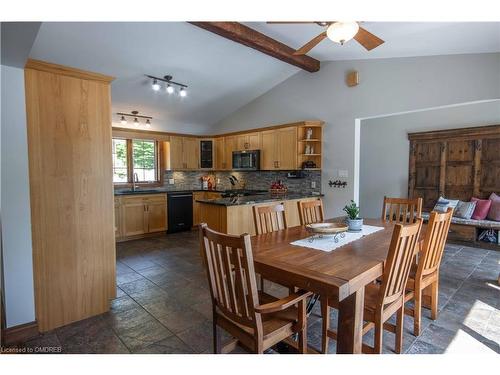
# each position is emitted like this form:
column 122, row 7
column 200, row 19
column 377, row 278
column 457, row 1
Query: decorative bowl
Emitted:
column 327, row 228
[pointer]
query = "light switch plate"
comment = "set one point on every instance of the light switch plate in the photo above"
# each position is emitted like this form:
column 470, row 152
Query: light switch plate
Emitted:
column 343, row 173
column 171, row 181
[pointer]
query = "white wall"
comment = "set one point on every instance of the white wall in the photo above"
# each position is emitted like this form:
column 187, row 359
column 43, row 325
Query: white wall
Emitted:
column 384, row 162
column 387, row 86
column 16, row 215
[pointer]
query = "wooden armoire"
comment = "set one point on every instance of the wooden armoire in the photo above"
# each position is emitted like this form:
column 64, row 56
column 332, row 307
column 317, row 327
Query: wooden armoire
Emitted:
column 70, row 169
column 456, row 164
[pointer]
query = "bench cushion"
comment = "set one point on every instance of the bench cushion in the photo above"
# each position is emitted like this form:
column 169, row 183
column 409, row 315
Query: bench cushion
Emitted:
column 475, row 223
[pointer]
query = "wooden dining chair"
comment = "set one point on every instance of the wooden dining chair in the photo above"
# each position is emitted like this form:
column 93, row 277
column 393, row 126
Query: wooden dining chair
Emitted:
column 269, row 218
column 383, row 300
column 401, row 210
column 256, row 320
column 424, row 274
column 311, row 211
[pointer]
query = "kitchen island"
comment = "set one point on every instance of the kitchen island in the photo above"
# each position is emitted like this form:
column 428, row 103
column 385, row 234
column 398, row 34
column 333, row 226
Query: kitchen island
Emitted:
column 234, row 215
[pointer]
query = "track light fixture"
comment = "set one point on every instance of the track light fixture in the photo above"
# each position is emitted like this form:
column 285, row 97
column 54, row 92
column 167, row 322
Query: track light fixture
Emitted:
column 170, row 89
column 136, row 116
column 155, row 86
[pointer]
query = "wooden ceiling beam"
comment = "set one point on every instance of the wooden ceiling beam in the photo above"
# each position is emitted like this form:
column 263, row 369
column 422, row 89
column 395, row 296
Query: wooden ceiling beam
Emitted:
column 249, row 37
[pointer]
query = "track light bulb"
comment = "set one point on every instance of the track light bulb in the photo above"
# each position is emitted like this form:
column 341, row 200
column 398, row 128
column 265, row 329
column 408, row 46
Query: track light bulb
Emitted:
column 136, row 122
column 148, row 123
column 156, row 85
column 182, row 92
column 123, row 120
column 170, row 89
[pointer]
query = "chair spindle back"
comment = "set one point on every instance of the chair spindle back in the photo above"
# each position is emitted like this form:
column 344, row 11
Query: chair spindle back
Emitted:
column 399, row 260
column 311, row 212
column 231, row 275
column 269, row 218
column 401, row 210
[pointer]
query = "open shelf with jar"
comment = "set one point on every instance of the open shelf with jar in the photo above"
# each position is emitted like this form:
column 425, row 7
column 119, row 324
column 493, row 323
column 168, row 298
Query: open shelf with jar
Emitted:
column 310, row 142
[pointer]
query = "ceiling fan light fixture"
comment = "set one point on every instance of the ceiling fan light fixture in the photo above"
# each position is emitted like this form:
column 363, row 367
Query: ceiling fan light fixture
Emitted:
column 341, row 32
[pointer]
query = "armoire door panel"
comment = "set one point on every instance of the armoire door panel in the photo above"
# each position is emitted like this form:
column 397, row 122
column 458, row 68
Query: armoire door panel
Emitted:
column 428, row 152
column 427, row 177
column 460, row 151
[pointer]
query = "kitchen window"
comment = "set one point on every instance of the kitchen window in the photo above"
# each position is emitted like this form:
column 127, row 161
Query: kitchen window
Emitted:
column 136, row 159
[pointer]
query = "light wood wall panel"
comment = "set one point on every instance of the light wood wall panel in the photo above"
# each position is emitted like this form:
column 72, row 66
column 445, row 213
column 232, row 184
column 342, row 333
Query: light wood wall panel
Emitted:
column 69, row 143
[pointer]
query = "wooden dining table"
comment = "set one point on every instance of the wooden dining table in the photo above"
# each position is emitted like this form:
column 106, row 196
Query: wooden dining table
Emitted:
column 340, row 274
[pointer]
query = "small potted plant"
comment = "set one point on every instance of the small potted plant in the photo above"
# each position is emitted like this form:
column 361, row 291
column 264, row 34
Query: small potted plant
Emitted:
column 353, row 221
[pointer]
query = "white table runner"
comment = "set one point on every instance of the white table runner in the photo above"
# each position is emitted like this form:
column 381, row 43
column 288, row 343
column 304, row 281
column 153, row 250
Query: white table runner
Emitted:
column 327, row 243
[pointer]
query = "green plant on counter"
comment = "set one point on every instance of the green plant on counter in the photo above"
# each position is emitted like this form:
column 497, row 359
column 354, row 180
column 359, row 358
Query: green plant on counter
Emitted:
column 352, row 210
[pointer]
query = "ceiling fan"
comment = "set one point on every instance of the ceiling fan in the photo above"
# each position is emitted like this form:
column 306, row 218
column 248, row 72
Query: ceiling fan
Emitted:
column 339, row 32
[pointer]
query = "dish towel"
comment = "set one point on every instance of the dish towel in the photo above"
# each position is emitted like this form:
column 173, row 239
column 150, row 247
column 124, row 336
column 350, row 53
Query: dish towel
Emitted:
column 327, row 242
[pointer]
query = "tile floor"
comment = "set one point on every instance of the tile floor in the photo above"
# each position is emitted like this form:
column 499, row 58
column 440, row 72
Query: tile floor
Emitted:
column 163, row 305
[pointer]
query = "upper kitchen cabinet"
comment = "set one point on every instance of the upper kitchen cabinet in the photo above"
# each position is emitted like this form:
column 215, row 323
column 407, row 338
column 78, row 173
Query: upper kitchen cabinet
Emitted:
column 220, row 158
column 279, row 149
column 248, row 141
column 183, row 153
column 207, row 154
column 230, row 145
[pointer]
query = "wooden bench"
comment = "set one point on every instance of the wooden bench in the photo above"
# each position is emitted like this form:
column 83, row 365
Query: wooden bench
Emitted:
column 468, row 230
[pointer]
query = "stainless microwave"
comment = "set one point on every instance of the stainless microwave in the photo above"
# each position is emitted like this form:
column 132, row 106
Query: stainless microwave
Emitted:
column 247, row 160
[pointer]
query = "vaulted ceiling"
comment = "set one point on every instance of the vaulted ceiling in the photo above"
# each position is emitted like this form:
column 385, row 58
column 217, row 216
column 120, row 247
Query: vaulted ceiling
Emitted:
column 223, row 75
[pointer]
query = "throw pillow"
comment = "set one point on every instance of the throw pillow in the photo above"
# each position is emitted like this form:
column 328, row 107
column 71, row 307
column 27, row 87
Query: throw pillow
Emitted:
column 494, row 213
column 442, row 204
column 464, row 210
column 482, row 208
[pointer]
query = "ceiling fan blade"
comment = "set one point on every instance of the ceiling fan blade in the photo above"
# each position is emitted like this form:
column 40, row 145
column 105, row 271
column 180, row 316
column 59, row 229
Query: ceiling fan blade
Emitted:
column 311, row 44
column 367, row 39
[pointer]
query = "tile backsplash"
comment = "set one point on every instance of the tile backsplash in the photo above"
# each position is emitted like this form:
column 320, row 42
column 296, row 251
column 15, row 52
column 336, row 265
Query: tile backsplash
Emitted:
column 257, row 180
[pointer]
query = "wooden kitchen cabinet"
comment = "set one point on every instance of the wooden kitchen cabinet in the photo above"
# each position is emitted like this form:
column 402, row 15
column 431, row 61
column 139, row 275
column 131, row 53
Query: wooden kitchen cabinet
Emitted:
column 219, row 153
column 184, row 153
column 176, row 154
column 141, row 214
column 230, row 145
column 156, row 217
column 68, row 121
column 118, row 217
column 287, row 148
column 197, row 206
column 279, row 149
column 268, row 154
column 133, row 216
column 248, row 141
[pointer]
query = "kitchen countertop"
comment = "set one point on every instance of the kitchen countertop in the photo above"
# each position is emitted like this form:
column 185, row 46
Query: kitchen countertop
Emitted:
column 258, row 198
column 162, row 191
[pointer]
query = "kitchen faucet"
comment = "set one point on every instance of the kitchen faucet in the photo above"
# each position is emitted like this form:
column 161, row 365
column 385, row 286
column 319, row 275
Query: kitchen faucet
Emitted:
column 134, row 180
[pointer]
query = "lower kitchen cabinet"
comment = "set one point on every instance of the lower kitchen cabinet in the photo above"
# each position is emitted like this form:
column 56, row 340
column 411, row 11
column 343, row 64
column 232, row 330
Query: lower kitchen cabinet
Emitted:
column 139, row 215
column 197, row 206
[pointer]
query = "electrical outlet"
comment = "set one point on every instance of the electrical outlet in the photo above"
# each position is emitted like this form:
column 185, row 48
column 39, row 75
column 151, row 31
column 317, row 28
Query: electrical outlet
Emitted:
column 313, row 184
column 171, row 181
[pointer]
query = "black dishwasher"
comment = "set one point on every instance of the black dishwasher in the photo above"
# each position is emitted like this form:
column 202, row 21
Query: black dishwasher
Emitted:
column 180, row 211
